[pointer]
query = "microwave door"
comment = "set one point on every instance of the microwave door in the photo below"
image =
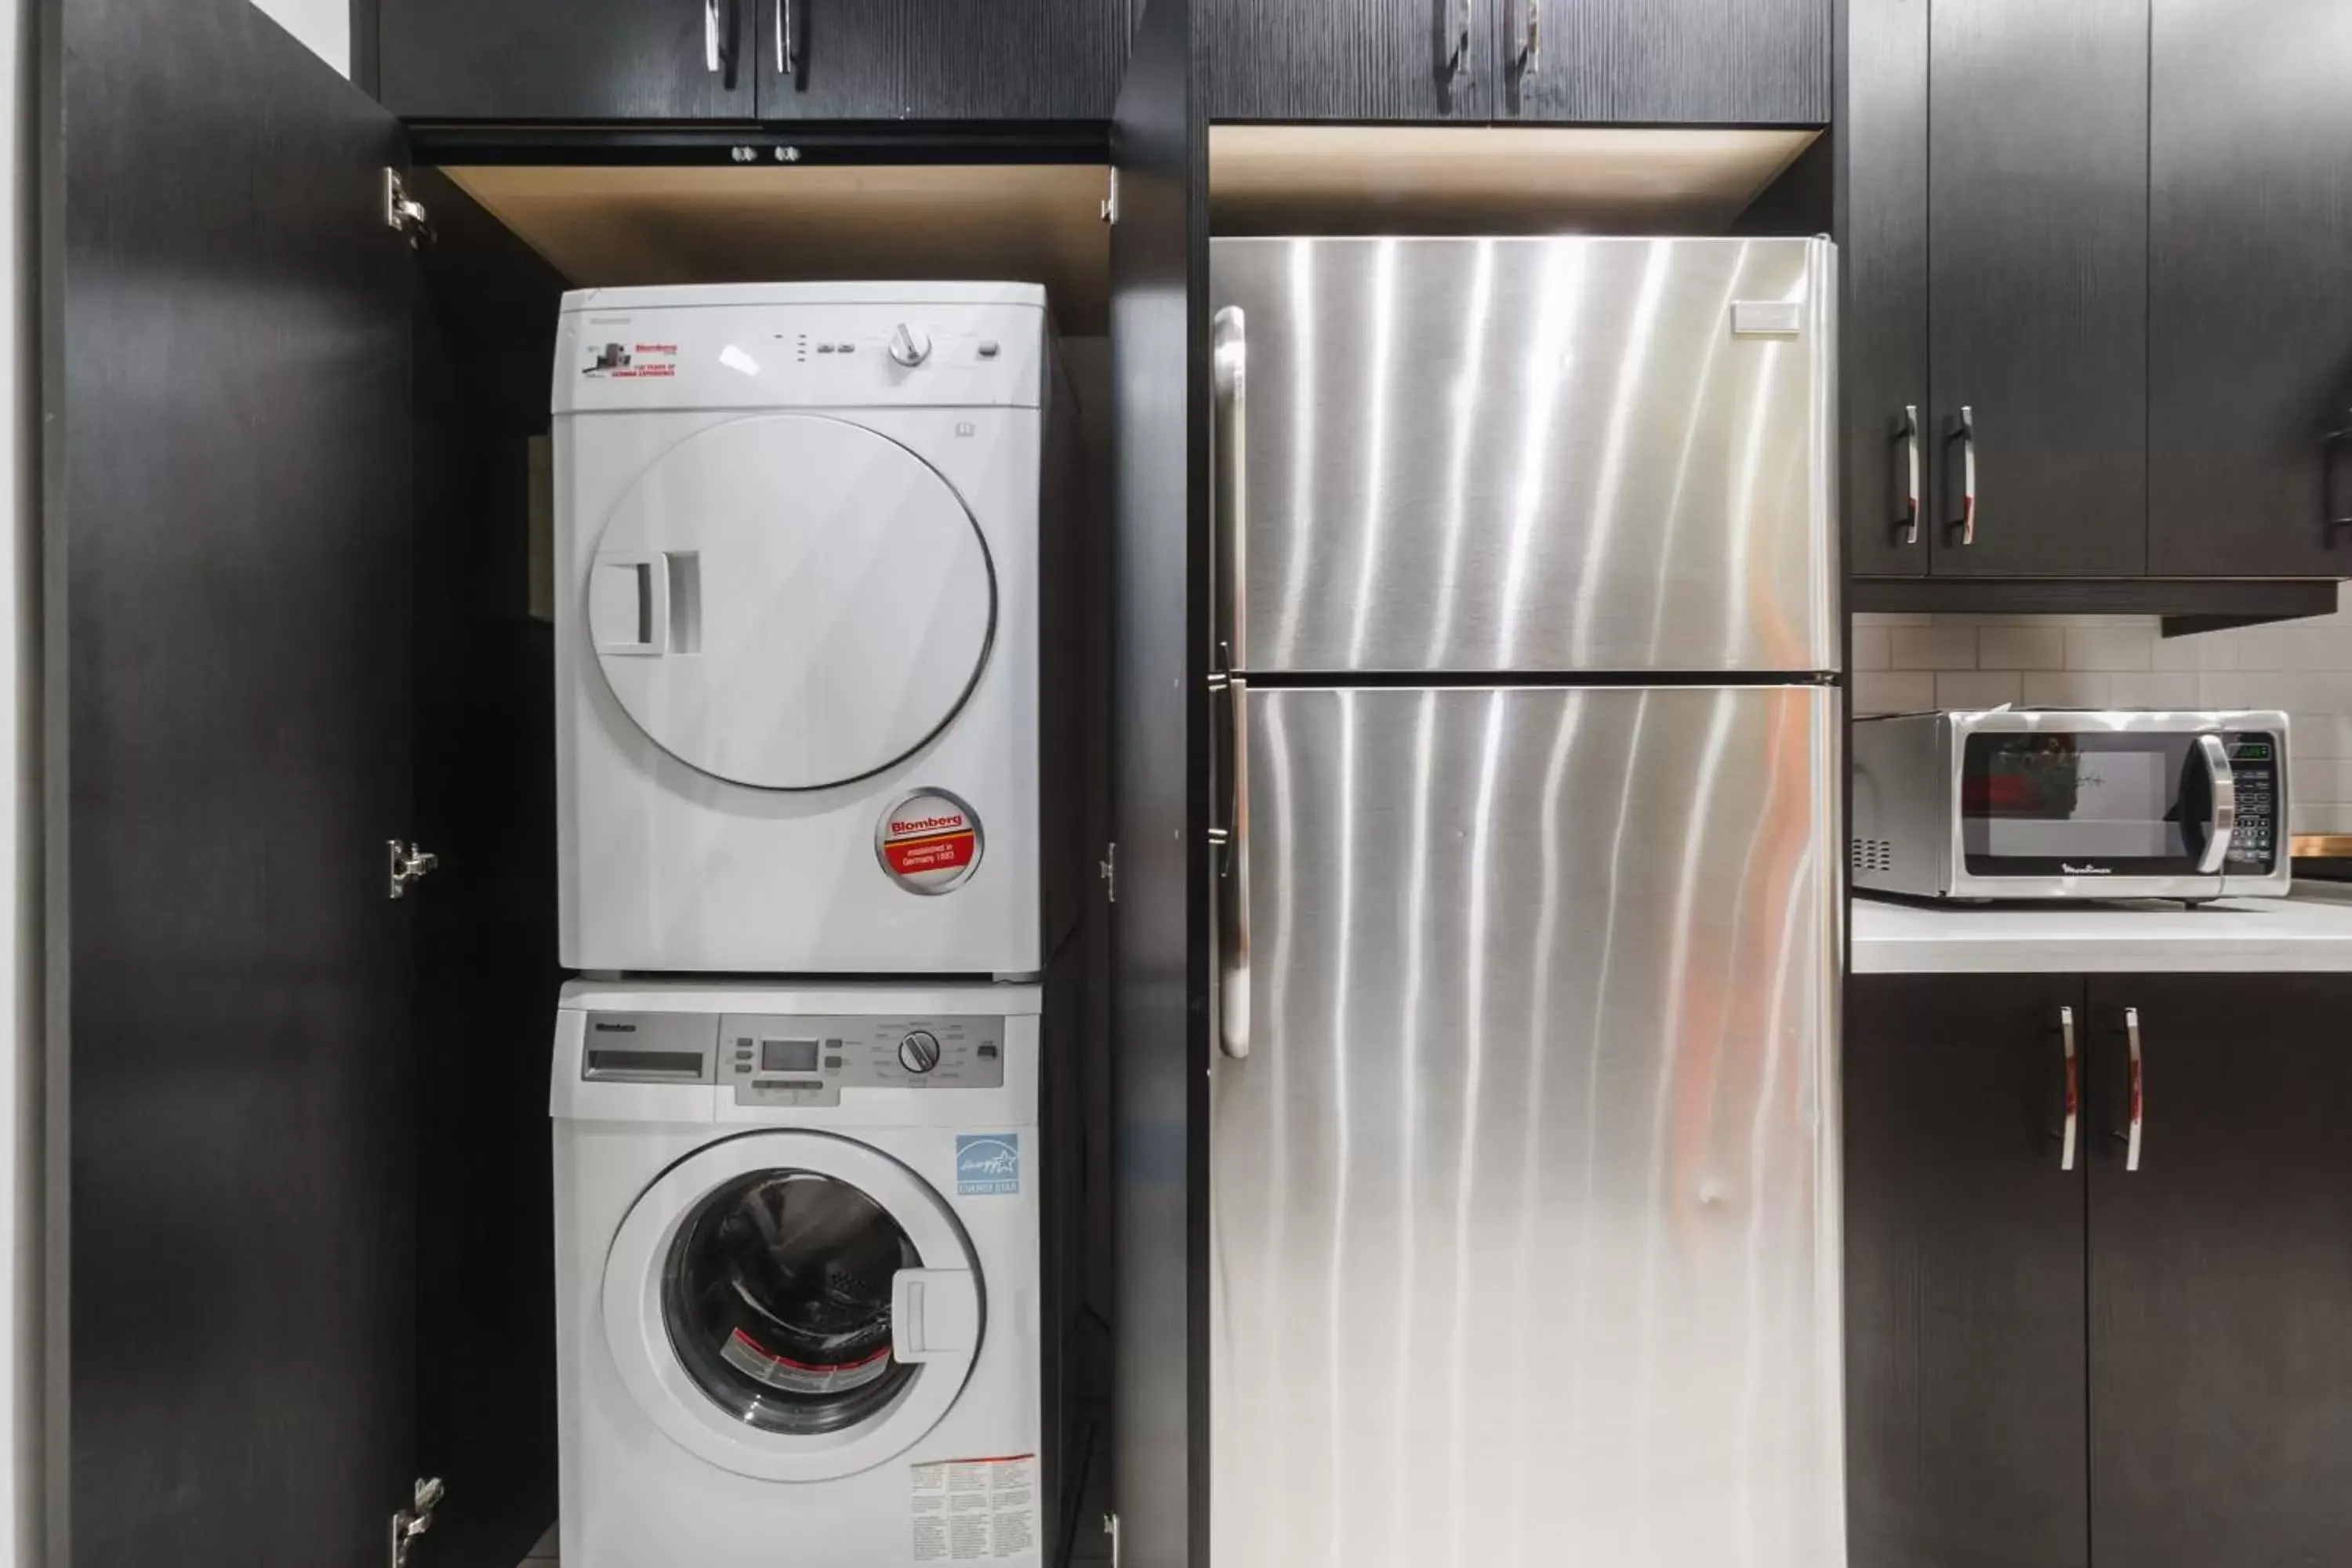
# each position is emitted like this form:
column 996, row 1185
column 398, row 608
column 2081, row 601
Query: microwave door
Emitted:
column 2111, row 810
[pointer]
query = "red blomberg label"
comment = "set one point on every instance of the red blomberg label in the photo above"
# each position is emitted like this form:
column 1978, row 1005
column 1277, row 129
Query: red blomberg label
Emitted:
column 929, row 842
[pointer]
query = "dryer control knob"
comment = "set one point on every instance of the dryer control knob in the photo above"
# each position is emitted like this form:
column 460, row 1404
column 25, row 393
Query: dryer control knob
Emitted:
column 908, row 345
column 919, row 1052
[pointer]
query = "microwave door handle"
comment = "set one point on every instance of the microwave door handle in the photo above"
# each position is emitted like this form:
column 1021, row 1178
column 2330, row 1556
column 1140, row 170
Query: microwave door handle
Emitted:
column 2222, row 825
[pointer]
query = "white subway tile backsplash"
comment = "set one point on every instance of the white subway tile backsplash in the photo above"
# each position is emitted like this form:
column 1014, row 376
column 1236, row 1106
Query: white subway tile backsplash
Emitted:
column 2069, row 688
column 2110, row 646
column 1873, row 646
column 2022, row 647
column 2206, row 650
column 1893, row 618
column 2158, row 688
column 1935, row 647
column 1893, row 691
column 1977, row 688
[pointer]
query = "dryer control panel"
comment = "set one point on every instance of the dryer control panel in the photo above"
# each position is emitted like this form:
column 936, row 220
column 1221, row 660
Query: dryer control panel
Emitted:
column 809, row 1060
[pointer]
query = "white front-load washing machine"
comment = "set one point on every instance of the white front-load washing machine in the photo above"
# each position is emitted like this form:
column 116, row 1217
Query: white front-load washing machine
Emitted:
column 797, row 1272
column 814, row 570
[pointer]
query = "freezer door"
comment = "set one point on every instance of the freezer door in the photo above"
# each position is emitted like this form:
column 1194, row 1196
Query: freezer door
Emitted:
column 1526, row 455
column 1524, row 1200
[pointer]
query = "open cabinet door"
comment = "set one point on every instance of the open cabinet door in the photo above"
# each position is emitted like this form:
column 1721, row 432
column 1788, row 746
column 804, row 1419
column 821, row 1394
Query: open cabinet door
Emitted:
column 230, row 1156
column 1160, row 959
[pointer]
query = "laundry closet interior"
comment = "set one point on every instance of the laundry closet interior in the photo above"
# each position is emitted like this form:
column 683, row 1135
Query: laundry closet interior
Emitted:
column 300, row 1145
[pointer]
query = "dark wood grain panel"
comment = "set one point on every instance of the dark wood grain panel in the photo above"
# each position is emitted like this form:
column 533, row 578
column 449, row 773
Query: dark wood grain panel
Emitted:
column 846, row 59
column 1017, row 59
column 2038, row 280
column 1965, row 1275
column 1348, row 59
column 1882, row 137
column 561, row 60
column 231, row 1164
column 2221, row 1274
column 487, row 976
column 1160, row 966
column 2250, row 292
column 1668, row 62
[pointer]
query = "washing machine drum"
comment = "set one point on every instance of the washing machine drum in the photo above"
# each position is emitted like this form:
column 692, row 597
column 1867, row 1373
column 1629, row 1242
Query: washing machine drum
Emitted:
column 791, row 602
column 777, row 1298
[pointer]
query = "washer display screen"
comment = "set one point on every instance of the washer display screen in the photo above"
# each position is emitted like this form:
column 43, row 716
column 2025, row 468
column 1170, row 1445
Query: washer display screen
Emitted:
column 788, row 1056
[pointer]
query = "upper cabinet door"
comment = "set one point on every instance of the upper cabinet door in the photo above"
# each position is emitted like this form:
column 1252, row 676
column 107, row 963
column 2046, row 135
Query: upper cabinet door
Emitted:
column 1883, row 268
column 1691, row 62
column 1350, row 60
column 2038, row 252
column 567, row 60
column 2250, row 279
column 930, row 59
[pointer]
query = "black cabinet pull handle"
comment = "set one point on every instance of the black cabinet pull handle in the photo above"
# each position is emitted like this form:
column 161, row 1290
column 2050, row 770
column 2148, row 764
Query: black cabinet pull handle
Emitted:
column 1906, row 432
column 2074, row 1090
column 1964, row 431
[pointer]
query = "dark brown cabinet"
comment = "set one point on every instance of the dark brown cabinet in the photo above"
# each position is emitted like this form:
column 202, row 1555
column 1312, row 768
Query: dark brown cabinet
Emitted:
column 2108, row 240
column 778, row 60
column 2249, row 295
column 1966, row 1423
column 1682, row 62
column 2136, row 1358
column 1695, row 62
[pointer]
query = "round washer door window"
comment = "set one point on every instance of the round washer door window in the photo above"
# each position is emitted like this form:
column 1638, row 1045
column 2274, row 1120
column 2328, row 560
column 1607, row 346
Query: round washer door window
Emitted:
column 791, row 602
column 793, row 1306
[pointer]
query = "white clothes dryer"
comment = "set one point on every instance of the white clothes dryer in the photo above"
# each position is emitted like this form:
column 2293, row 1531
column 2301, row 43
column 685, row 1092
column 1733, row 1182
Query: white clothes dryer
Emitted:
column 797, row 1272
column 812, row 564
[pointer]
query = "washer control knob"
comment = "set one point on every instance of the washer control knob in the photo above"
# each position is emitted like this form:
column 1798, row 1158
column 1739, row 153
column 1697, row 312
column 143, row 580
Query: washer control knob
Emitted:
column 908, row 345
column 919, row 1052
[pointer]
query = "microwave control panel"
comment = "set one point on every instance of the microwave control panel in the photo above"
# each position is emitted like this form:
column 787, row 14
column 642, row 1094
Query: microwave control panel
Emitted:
column 2255, row 759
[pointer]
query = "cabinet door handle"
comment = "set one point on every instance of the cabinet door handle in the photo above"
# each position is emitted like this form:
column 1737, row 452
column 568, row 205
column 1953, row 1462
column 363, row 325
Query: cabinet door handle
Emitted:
column 1458, row 65
column 1907, row 431
column 788, row 49
column 710, row 60
column 1531, row 40
column 2139, row 1092
column 2074, row 1090
column 1964, row 431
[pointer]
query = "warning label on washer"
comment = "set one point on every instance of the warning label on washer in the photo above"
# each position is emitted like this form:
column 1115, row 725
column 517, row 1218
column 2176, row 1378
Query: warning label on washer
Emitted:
column 975, row 1510
column 929, row 842
column 628, row 361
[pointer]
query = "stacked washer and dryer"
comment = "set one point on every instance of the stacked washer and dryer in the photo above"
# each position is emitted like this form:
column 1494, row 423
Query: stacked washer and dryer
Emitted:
column 818, row 851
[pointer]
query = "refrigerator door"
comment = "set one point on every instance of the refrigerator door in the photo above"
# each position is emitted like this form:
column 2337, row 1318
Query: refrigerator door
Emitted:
column 1524, row 1223
column 1527, row 454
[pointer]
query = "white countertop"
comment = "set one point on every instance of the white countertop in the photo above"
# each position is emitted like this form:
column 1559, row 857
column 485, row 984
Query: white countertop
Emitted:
column 2310, row 930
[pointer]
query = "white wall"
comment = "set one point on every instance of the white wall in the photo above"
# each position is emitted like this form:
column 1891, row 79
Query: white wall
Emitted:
column 20, row 1230
column 1904, row 663
column 324, row 25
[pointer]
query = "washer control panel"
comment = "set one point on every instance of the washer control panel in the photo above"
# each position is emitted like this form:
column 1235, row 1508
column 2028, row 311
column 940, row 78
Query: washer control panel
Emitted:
column 809, row 1060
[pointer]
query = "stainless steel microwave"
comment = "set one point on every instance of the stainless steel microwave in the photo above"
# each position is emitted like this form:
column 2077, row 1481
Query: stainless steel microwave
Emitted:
column 2010, row 803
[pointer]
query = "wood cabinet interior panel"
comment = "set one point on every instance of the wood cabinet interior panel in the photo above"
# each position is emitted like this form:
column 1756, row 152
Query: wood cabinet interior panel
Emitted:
column 609, row 227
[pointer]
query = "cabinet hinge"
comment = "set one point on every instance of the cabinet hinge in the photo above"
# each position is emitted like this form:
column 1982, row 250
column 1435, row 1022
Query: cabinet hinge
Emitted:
column 406, row 865
column 413, row 1520
column 404, row 214
column 1110, row 201
column 1108, row 866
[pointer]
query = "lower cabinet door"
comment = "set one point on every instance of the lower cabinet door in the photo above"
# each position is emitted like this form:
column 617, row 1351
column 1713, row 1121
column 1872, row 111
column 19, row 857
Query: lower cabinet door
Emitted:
column 1964, row 1267
column 2220, row 1271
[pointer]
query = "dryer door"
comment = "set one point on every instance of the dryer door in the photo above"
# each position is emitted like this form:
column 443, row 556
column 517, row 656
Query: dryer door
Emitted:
column 791, row 602
column 793, row 1306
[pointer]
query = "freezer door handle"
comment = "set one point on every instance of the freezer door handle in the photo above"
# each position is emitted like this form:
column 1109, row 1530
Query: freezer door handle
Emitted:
column 1229, row 484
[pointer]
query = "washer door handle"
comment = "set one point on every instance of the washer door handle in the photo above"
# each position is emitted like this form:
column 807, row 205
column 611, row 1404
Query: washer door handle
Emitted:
column 934, row 1314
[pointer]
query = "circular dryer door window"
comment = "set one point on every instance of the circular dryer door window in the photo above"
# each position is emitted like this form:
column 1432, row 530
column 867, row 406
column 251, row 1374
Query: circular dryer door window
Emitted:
column 791, row 602
column 793, row 1306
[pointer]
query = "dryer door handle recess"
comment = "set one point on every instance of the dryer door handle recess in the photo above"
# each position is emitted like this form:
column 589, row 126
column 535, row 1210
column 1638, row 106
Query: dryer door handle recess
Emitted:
column 934, row 1314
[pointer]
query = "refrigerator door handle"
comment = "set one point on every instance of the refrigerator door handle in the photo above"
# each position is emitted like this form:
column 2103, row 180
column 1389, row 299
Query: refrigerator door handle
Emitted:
column 1231, row 839
column 1229, row 484
column 1229, row 459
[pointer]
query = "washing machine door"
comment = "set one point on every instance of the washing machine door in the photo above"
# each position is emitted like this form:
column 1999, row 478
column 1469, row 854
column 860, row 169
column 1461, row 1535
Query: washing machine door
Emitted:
column 793, row 1306
column 791, row 602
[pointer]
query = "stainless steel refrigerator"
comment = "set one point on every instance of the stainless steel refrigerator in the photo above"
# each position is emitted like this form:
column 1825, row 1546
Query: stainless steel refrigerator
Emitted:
column 1524, row 1149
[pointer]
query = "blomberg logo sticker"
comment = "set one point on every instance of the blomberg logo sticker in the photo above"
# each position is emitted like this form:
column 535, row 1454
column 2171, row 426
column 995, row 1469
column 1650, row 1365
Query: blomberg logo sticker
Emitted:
column 628, row 361
column 929, row 842
column 988, row 1164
